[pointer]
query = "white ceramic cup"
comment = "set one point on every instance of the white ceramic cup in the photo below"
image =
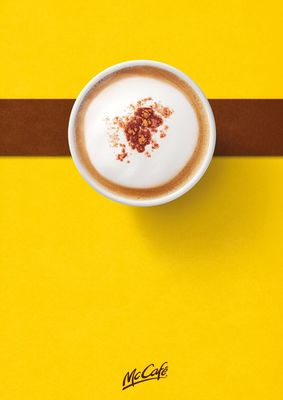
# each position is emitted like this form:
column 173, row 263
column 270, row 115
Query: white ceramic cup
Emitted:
column 187, row 185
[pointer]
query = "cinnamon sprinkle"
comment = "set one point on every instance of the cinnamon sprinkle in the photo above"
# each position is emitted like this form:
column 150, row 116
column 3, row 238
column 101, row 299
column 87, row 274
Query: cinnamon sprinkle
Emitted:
column 143, row 121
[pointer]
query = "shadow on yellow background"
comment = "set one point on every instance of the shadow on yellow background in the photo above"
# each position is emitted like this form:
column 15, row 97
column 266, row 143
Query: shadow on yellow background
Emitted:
column 218, row 213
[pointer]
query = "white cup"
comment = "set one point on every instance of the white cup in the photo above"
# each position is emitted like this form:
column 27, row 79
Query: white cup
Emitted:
column 187, row 185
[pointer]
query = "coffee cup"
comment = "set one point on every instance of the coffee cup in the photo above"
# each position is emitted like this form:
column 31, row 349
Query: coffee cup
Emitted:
column 142, row 133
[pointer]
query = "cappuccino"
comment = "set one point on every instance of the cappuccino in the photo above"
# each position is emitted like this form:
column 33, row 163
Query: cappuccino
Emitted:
column 141, row 132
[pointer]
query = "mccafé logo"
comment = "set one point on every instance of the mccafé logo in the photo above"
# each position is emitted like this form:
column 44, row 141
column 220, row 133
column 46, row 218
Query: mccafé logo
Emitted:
column 147, row 374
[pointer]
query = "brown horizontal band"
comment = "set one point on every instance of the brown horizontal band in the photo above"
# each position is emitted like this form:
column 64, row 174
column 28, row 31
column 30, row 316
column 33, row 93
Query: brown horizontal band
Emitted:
column 39, row 127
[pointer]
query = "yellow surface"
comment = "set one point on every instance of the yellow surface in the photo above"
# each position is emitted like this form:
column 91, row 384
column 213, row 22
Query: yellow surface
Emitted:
column 90, row 288
column 52, row 48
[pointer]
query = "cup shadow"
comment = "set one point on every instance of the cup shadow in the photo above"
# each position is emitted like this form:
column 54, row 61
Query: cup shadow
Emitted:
column 214, row 216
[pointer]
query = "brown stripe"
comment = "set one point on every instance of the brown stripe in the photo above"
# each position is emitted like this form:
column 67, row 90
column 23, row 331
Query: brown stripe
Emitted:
column 39, row 127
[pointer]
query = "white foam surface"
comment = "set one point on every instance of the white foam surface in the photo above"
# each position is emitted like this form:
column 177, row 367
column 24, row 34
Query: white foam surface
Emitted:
column 174, row 150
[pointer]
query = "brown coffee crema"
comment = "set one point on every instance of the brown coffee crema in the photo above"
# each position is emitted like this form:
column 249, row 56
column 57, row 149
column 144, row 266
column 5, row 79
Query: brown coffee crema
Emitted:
column 193, row 163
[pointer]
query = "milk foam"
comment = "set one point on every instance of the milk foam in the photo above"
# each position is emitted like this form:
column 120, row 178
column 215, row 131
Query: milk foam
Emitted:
column 175, row 149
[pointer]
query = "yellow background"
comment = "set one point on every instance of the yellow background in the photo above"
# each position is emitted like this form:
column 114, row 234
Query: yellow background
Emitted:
column 90, row 289
column 233, row 49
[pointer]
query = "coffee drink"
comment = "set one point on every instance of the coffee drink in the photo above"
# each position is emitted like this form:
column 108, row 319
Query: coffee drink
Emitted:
column 141, row 132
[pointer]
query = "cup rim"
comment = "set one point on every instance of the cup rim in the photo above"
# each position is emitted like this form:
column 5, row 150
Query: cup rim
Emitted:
column 187, row 185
